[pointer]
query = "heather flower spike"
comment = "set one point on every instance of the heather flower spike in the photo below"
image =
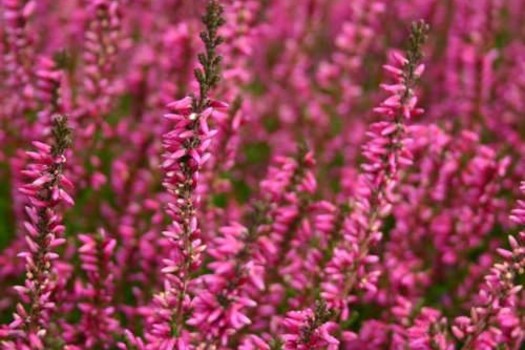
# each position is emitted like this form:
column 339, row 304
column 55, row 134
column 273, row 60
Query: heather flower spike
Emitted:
column 352, row 264
column 46, row 189
column 209, row 74
column 310, row 329
column 494, row 319
column 186, row 151
column 98, row 320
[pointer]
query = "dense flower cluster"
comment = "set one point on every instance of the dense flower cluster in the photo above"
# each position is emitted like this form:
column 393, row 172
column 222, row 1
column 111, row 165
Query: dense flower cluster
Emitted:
column 262, row 175
column 46, row 189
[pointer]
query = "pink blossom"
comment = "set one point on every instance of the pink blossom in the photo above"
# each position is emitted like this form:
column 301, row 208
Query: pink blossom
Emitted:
column 46, row 188
column 309, row 329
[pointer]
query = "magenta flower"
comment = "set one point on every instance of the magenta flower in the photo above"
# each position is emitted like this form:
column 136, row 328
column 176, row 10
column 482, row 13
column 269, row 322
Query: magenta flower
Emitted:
column 102, row 44
column 309, row 329
column 46, row 189
column 352, row 263
column 186, row 151
column 20, row 56
column 98, row 322
column 494, row 320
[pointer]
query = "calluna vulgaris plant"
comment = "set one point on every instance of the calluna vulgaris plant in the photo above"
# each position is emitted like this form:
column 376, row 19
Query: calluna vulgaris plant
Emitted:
column 261, row 175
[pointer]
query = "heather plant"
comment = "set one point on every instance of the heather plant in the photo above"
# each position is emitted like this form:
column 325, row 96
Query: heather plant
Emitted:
column 260, row 175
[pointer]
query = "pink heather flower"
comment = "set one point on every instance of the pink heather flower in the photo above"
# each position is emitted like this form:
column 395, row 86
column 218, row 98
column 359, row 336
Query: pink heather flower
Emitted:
column 428, row 331
column 98, row 322
column 46, row 188
column 239, row 35
column 282, row 173
column 91, row 94
column 287, row 191
column 373, row 335
column 241, row 254
column 48, row 82
column 442, row 163
column 102, row 44
column 320, row 237
column 223, row 298
column 228, row 138
column 186, row 151
column 287, row 187
column 19, row 58
column 309, row 329
column 301, row 261
column 219, row 315
column 385, row 153
column 493, row 320
column 253, row 342
column 297, row 261
column 11, row 269
column 131, row 342
column 418, row 328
